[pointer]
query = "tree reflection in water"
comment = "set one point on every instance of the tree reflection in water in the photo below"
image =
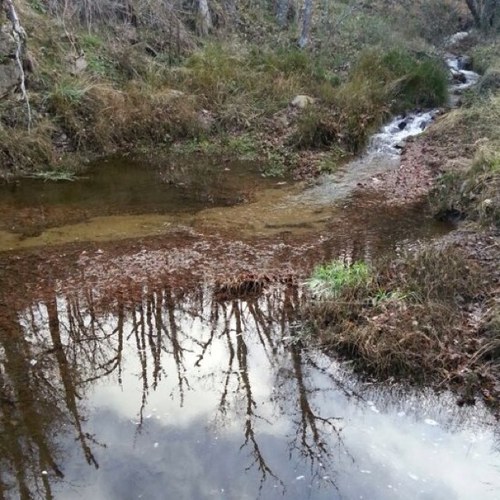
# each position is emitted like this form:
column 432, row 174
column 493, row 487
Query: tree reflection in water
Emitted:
column 56, row 349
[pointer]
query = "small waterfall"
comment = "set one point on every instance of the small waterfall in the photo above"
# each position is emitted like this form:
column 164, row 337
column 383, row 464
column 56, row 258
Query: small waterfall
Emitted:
column 385, row 146
column 390, row 139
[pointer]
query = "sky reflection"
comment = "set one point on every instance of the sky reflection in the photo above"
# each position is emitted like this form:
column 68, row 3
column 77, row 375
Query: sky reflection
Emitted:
column 186, row 395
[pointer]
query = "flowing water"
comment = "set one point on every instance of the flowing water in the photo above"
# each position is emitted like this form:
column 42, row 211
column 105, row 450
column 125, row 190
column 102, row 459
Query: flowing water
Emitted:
column 176, row 366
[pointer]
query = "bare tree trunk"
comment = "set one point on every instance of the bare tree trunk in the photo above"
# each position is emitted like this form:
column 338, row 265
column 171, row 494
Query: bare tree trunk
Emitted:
column 490, row 12
column 306, row 23
column 205, row 19
column 473, row 8
column 20, row 38
column 483, row 12
column 282, row 7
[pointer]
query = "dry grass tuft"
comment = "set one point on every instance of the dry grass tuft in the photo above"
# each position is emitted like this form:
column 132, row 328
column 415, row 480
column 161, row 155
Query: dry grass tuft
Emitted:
column 407, row 320
column 22, row 151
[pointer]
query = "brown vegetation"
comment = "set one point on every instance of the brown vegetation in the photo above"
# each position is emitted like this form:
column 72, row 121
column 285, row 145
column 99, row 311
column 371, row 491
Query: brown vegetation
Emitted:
column 112, row 76
column 421, row 318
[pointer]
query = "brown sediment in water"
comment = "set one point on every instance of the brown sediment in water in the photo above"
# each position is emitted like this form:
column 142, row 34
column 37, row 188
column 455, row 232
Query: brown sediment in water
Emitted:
column 237, row 250
column 290, row 243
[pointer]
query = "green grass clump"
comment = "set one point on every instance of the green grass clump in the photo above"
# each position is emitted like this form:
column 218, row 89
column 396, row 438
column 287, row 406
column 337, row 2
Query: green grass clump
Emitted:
column 243, row 146
column 53, row 176
column 402, row 79
column 329, row 280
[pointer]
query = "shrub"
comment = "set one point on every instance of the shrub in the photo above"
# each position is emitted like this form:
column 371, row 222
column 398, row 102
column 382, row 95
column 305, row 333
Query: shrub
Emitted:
column 316, row 128
column 379, row 84
column 405, row 80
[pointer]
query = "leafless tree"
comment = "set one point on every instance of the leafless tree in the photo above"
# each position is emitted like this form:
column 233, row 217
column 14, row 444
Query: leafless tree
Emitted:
column 484, row 12
column 307, row 10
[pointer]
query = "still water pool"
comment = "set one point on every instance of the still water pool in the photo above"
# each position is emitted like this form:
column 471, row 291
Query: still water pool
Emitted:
column 190, row 395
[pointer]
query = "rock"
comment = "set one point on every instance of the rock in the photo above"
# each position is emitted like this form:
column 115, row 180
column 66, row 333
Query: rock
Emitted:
column 459, row 78
column 465, row 62
column 402, row 125
column 423, row 124
column 10, row 73
column 175, row 93
column 206, row 120
column 457, row 38
column 301, row 101
column 283, row 121
column 80, row 64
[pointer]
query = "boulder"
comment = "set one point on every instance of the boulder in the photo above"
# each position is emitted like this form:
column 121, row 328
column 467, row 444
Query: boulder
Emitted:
column 206, row 120
column 302, row 101
column 465, row 62
column 459, row 78
column 457, row 38
column 10, row 73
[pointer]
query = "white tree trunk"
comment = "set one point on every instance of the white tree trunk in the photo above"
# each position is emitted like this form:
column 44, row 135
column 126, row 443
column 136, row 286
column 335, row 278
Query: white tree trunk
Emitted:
column 282, row 7
column 20, row 38
column 306, row 23
column 205, row 19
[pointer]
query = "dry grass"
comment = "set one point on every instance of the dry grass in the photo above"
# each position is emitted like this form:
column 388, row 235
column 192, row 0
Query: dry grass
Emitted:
column 101, row 118
column 408, row 321
column 472, row 192
column 22, row 151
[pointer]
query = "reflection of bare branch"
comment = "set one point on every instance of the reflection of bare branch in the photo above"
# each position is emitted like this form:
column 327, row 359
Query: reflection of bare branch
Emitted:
column 339, row 384
column 138, row 332
column 242, row 356
column 313, row 433
column 154, row 336
column 87, row 341
column 229, row 372
column 67, row 379
column 177, row 350
column 28, row 420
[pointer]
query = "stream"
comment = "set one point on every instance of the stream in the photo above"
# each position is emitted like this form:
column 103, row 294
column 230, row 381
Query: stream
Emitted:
column 134, row 363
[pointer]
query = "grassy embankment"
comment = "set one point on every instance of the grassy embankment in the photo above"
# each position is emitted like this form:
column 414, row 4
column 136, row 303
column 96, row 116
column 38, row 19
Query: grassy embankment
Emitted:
column 112, row 87
column 433, row 316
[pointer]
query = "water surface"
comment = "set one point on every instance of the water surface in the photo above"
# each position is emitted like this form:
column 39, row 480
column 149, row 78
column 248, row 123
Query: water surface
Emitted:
column 193, row 394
